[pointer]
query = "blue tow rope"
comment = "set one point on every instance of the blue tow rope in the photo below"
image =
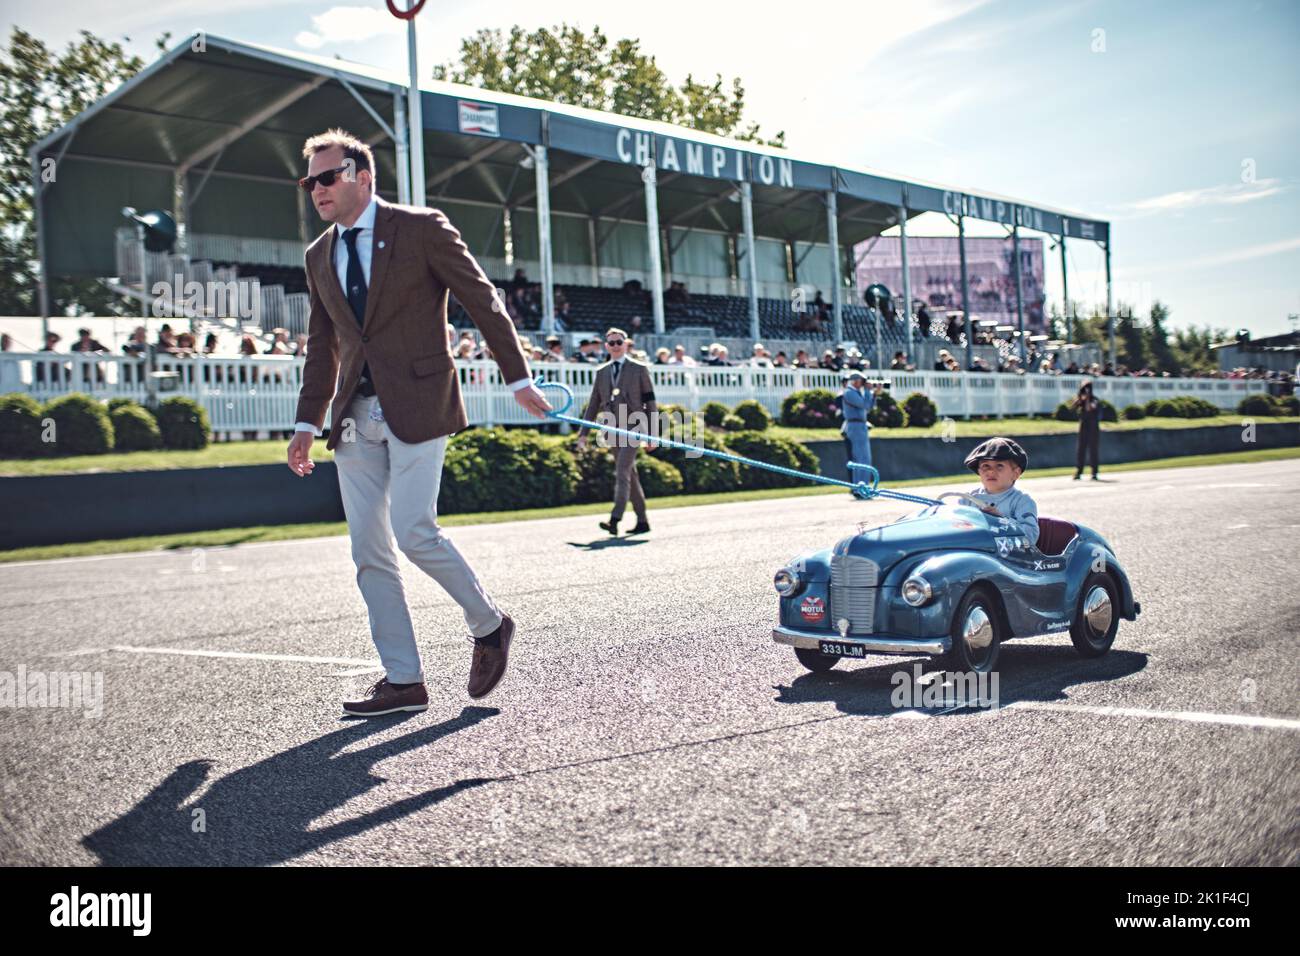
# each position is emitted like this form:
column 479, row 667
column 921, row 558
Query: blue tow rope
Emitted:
column 865, row 490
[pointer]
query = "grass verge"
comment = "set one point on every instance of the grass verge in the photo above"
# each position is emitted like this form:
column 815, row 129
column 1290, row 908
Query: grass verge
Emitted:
column 229, row 537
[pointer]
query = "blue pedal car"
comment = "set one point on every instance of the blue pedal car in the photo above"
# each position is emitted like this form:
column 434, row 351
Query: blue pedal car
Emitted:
column 954, row 582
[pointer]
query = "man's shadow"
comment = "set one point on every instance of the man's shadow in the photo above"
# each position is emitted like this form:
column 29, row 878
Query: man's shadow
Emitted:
column 260, row 815
column 1025, row 672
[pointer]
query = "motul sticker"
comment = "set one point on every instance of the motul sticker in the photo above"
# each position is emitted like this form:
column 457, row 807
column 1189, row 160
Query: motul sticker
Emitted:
column 813, row 610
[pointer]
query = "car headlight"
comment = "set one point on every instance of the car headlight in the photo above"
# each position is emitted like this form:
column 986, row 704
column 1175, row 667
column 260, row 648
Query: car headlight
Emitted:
column 786, row 582
column 916, row 591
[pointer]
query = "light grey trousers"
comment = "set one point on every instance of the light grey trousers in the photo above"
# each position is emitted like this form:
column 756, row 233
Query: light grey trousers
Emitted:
column 390, row 489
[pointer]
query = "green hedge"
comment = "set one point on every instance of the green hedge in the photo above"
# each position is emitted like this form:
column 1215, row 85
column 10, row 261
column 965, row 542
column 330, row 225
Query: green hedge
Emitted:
column 183, row 423
column 703, row 473
column 20, row 427
column 1181, row 406
column 134, row 429
column 81, row 425
column 754, row 416
column 777, row 451
column 810, row 408
column 1134, row 412
column 491, row 469
column 921, row 411
column 658, row 478
column 885, row 412
column 1269, row 405
column 714, row 413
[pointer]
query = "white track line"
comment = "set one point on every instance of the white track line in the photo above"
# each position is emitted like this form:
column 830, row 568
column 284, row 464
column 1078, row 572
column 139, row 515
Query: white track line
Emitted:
column 1189, row 716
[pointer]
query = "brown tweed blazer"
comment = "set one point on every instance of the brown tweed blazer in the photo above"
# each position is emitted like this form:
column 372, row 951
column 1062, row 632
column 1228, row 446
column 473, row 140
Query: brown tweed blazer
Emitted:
column 636, row 393
column 416, row 258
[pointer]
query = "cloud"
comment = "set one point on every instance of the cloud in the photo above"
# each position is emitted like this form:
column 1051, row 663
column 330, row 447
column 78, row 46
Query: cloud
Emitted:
column 1224, row 195
column 348, row 25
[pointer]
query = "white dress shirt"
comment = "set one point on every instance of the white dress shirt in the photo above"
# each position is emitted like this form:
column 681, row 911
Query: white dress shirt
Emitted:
column 365, row 252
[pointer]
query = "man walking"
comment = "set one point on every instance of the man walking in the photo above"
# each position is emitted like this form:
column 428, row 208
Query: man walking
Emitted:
column 377, row 359
column 625, row 397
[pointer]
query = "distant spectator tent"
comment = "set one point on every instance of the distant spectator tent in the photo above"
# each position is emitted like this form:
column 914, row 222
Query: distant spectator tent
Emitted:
column 213, row 131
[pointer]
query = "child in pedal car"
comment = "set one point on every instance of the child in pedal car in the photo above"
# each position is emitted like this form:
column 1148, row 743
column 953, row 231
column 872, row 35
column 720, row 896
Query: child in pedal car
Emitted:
column 999, row 462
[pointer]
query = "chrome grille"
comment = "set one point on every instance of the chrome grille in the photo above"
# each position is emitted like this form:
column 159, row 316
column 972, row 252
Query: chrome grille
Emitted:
column 853, row 593
column 848, row 571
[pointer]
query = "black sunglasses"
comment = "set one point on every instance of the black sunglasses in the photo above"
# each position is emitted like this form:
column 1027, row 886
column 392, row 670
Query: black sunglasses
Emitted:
column 326, row 179
column 614, row 341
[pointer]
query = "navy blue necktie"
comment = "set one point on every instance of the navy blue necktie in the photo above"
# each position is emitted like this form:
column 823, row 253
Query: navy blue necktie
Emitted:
column 356, row 281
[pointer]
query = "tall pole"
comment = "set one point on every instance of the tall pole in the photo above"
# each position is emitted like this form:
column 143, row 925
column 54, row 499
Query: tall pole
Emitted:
column 833, row 237
column 652, row 239
column 965, row 292
column 542, row 166
column 403, row 147
column 415, row 117
column 1110, row 317
column 42, row 276
column 747, row 220
column 1065, row 295
column 1020, row 308
column 907, row 278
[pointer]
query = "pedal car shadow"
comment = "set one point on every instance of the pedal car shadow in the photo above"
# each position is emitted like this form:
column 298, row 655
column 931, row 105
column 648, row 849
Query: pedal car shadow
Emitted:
column 1026, row 672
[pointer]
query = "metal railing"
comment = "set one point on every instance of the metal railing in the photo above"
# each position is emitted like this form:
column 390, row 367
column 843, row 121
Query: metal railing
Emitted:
column 260, row 393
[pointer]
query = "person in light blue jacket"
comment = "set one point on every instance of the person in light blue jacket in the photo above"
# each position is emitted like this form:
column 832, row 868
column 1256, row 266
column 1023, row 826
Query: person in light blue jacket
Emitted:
column 856, row 403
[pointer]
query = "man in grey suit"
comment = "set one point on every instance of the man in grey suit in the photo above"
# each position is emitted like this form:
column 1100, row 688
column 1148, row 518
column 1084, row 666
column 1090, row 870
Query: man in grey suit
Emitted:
column 623, row 396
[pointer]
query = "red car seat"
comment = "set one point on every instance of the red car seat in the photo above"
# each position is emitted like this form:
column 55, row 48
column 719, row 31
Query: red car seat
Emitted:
column 1054, row 534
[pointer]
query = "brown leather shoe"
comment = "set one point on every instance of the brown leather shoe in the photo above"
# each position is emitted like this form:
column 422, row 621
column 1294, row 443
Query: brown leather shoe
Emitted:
column 489, row 664
column 384, row 698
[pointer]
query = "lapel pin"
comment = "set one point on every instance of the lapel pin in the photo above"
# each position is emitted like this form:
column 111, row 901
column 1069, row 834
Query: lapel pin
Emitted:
column 381, row 243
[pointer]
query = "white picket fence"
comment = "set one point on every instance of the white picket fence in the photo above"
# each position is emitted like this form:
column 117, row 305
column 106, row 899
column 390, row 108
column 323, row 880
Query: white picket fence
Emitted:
column 260, row 393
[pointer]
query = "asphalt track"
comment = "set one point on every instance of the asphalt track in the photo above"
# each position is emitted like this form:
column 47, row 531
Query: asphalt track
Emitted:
column 647, row 717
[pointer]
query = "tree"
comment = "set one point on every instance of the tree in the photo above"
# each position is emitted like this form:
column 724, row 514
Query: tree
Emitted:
column 566, row 65
column 1130, row 344
column 1192, row 351
column 41, row 90
column 1162, row 355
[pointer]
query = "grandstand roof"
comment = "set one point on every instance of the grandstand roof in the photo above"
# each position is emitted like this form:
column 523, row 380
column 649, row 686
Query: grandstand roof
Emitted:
column 232, row 115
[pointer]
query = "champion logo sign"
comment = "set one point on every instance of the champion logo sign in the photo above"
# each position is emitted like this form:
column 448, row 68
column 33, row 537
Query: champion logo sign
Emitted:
column 813, row 610
column 480, row 118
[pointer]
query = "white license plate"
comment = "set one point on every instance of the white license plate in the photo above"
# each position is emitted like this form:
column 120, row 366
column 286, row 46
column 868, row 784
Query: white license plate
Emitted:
column 836, row 649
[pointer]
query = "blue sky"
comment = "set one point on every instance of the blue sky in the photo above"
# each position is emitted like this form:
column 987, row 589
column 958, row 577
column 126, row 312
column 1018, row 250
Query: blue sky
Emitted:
column 1175, row 121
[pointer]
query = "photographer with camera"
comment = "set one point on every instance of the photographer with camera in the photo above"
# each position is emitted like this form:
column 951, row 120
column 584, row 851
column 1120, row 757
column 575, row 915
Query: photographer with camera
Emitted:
column 856, row 402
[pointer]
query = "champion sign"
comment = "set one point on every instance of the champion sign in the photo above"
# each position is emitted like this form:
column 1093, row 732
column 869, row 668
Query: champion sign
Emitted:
column 478, row 118
column 813, row 610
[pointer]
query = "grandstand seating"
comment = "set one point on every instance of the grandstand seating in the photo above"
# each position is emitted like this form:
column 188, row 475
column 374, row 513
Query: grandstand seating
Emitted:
column 593, row 309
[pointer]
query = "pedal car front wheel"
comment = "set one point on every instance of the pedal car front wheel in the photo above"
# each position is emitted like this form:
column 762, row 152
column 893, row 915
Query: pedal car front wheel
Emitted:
column 1097, row 619
column 976, row 635
column 815, row 661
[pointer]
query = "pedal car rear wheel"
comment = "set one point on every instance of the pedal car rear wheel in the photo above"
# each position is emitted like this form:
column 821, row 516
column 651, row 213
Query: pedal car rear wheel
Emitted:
column 976, row 635
column 815, row 661
column 1097, row 618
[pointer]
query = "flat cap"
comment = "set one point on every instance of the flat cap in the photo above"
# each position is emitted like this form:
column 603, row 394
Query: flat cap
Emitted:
column 997, row 449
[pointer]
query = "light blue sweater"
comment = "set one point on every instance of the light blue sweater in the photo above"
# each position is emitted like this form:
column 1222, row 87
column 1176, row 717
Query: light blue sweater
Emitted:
column 1016, row 505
